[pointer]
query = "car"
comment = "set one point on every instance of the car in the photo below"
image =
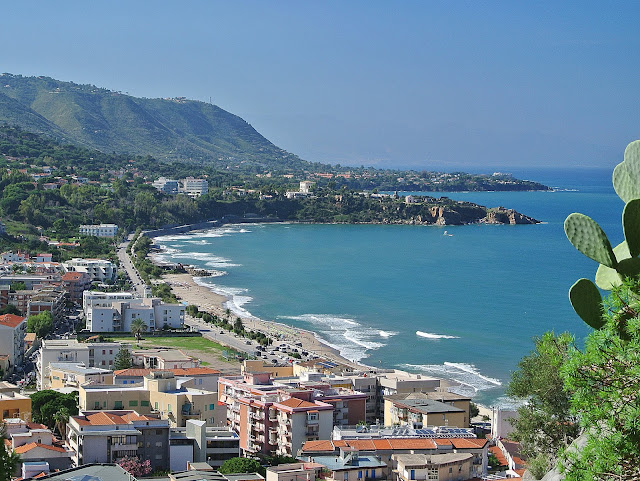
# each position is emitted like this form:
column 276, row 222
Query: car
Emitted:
column 221, row 332
column 248, row 343
column 275, row 361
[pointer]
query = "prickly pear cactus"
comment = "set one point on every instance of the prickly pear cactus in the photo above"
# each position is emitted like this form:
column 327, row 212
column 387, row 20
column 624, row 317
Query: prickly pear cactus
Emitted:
column 588, row 237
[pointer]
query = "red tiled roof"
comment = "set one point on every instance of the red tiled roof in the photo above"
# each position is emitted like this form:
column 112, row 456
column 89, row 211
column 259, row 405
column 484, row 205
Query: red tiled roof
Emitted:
column 28, row 447
column 133, row 372
column 72, row 276
column 321, row 445
column 391, row 444
column 11, row 320
column 495, row 450
column 297, row 403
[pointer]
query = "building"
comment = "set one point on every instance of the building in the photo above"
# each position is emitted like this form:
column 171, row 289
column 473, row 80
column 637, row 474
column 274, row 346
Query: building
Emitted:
column 107, row 436
column 168, row 186
column 161, row 394
column 417, row 410
column 93, row 472
column 164, row 359
column 294, row 472
column 201, row 377
column 49, row 299
column 436, row 467
column 103, row 299
column 15, row 405
column 12, row 333
column 73, row 374
column 377, row 431
column 91, row 354
column 273, row 419
column 118, row 315
column 194, row 187
column 98, row 269
column 75, row 283
column 199, row 443
column 385, row 449
column 351, row 465
column 34, row 442
column 32, row 282
column 100, row 230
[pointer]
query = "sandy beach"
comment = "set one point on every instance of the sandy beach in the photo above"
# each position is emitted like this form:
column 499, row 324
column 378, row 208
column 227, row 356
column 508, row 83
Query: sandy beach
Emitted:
column 187, row 290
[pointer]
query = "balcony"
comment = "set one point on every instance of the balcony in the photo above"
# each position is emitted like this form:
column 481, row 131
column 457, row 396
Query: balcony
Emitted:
column 257, row 415
column 258, row 427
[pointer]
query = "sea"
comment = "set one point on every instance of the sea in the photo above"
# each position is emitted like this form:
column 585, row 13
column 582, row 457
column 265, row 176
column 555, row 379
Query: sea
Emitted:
column 463, row 303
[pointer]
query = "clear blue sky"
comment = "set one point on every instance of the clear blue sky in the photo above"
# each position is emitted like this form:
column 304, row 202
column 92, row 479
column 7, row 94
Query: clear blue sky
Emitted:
column 386, row 83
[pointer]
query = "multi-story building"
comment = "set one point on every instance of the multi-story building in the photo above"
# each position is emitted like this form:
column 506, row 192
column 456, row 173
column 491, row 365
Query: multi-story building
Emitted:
column 103, row 299
column 119, row 315
column 4, row 295
column 161, row 393
column 168, row 186
column 350, row 465
column 34, row 442
column 107, row 436
column 293, row 472
column 194, row 187
column 98, row 269
column 417, row 410
column 12, row 332
column 15, row 405
column 201, row 377
column 31, row 281
column 50, row 299
column 198, row 442
column 273, row 419
column 99, row 230
column 73, row 374
column 91, row 354
column 75, row 283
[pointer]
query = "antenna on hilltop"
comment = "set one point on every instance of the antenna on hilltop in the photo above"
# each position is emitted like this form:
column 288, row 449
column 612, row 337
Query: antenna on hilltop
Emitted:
column 210, row 100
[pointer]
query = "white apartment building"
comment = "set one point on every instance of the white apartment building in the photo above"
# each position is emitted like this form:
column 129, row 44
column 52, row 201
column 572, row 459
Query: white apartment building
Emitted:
column 168, row 186
column 98, row 269
column 103, row 299
column 92, row 354
column 119, row 314
column 99, row 230
column 194, row 187
column 12, row 331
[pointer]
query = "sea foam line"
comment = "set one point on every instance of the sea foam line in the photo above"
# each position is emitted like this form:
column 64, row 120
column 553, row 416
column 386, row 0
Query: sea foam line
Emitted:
column 430, row 335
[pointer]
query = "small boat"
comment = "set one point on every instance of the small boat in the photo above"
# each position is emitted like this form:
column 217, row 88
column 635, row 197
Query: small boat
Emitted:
column 447, row 234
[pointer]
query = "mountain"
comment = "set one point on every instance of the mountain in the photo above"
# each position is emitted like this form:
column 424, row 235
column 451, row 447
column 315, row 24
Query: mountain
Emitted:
column 167, row 129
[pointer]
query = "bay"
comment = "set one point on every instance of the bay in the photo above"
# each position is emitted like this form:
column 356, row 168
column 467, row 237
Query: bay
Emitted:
column 463, row 305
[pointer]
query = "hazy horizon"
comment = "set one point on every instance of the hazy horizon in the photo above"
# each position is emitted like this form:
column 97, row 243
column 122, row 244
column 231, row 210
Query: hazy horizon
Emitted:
column 434, row 85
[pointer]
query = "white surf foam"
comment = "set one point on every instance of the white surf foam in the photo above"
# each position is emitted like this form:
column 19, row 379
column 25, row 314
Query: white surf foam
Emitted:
column 430, row 335
column 467, row 375
column 236, row 296
column 349, row 337
column 387, row 334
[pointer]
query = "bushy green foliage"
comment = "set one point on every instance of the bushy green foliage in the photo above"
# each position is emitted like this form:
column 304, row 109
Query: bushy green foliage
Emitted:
column 45, row 404
column 545, row 425
column 122, row 360
column 241, row 465
column 41, row 324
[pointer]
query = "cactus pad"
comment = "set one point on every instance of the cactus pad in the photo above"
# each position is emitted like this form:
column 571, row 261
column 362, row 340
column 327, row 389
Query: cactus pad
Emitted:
column 607, row 278
column 586, row 301
column 589, row 238
column 631, row 226
column 626, row 175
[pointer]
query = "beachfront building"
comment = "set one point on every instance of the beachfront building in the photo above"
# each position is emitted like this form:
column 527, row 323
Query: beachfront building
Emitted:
column 194, row 187
column 418, row 410
column 99, row 230
column 385, row 449
column 108, row 436
column 437, row 467
column 168, row 186
column 12, row 333
column 110, row 314
column 74, row 374
column 91, row 354
column 160, row 393
column 98, row 269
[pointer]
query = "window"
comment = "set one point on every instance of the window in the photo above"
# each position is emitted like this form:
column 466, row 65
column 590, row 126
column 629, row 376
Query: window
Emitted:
column 451, row 470
column 103, row 363
column 413, row 474
column 346, row 476
column 169, row 410
column 96, row 405
column 144, row 404
column 158, row 444
column 104, row 351
column 110, row 351
column 359, row 474
column 156, row 406
column 211, row 407
column 158, row 432
column 133, row 404
column 117, row 405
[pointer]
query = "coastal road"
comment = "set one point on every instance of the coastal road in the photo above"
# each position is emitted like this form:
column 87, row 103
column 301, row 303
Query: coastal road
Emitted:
column 130, row 269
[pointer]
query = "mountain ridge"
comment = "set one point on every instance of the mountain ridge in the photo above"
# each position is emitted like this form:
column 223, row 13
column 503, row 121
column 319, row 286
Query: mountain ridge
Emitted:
column 170, row 129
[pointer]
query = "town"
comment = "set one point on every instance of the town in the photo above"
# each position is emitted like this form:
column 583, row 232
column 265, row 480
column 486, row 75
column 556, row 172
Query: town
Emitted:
column 82, row 394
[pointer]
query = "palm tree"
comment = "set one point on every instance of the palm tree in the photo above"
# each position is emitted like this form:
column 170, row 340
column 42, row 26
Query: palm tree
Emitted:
column 137, row 328
column 61, row 418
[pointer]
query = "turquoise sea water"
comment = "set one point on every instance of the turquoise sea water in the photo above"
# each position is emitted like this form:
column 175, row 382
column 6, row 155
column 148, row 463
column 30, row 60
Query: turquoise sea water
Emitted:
column 463, row 306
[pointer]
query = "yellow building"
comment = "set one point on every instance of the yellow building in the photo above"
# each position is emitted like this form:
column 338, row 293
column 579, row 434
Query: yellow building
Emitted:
column 15, row 405
column 73, row 374
column 440, row 467
column 158, row 394
column 417, row 410
column 257, row 366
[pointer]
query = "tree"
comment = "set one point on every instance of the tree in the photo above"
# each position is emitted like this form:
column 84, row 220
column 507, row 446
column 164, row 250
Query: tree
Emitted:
column 135, row 467
column 240, row 465
column 473, row 410
column 238, row 327
column 122, row 360
column 545, row 424
column 41, row 324
column 8, row 459
column 10, row 309
column 61, row 418
column 138, row 326
column 605, row 378
column 45, row 404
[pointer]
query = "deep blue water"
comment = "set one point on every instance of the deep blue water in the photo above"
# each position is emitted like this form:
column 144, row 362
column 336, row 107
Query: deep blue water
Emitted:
column 464, row 306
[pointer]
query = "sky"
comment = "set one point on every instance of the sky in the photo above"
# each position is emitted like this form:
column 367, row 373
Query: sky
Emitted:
column 407, row 84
